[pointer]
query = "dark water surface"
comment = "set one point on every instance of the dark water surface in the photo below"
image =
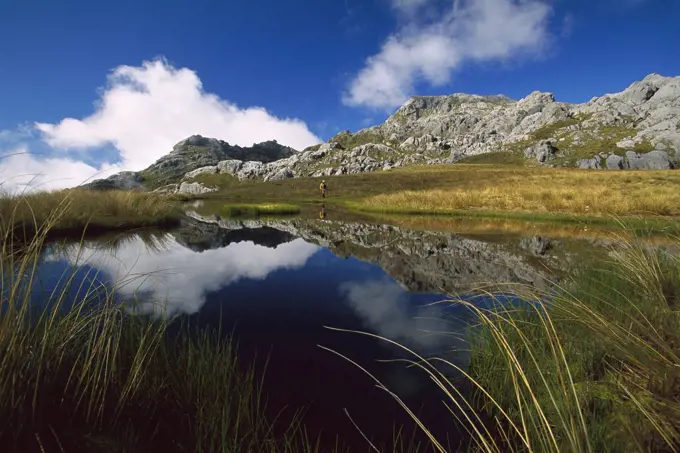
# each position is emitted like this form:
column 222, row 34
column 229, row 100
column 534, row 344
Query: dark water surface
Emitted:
column 279, row 284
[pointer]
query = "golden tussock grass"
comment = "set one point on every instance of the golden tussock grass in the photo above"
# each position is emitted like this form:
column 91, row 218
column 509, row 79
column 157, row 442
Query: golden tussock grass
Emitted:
column 545, row 191
column 77, row 208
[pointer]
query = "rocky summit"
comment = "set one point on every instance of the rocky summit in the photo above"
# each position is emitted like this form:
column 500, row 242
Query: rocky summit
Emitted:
column 638, row 128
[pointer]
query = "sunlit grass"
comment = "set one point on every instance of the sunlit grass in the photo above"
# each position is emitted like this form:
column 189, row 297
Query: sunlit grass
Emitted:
column 545, row 191
column 478, row 189
column 77, row 208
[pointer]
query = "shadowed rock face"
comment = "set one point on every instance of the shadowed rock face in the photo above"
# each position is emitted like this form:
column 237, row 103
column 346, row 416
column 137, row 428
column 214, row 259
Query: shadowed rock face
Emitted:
column 201, row 236
column 126, row 180
column 191, row 154
column 421, row 261
column 196, row 152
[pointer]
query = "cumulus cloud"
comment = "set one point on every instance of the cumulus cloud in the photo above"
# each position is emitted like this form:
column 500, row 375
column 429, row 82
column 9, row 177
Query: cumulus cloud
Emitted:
column 176, row 279
column 429, row 51
column 142, row 112
column 385, row 307
column 20, row 170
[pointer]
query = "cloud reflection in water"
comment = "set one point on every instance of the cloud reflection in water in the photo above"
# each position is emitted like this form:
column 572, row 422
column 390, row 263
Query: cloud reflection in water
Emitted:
column 175, row 279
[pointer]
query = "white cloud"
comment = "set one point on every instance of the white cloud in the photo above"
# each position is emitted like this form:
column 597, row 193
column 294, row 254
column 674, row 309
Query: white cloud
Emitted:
column 20, row 170
column 177, row 279
column 143, row 111
column 469, row 30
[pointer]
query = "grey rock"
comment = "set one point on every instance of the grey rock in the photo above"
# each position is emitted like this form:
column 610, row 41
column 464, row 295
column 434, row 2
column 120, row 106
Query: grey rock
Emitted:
column 231, row 166
column 615, row 162
column 251, row 170
column 203, row 170
column 543, row 151
column 197, row 152
column 653, row 160
column 589, row 164
column 280, row 174
column 195, row 188
column 445, row 129
column 536, row 245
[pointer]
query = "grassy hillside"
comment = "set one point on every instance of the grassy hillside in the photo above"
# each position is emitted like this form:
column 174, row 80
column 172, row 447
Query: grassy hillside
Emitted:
column 475, row 188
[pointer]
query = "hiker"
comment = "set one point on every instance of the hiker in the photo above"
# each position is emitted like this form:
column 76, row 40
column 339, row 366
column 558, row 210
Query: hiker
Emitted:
column 323, row 187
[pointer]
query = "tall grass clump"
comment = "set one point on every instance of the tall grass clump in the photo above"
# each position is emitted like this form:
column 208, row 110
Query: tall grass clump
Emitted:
column 597, row 368
column 79, row 372
column 74, row 209
column 543, row 191
column 592, row 365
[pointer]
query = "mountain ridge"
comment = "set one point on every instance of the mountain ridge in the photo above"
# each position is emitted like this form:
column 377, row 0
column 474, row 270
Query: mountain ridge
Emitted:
column 637, row 128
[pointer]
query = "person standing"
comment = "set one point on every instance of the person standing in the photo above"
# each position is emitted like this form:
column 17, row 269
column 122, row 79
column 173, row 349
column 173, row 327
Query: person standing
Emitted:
column 323, row 187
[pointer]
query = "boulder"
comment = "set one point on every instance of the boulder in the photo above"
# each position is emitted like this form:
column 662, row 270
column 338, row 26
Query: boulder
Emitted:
column 615, row 162
column 536, row 245
column 543, row 151
column 280, row 174
column 589, row 164
column 203, row 170
column 251, row 170
column 231, row 166
column 653, row 160
column 195, row 188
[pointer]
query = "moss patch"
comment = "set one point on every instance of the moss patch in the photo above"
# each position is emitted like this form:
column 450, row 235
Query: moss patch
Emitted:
column 594, row 142
column 350, row 141
column 550, row 130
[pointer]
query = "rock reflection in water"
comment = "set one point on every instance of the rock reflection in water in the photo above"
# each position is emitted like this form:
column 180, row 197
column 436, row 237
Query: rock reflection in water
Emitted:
column 278, row 283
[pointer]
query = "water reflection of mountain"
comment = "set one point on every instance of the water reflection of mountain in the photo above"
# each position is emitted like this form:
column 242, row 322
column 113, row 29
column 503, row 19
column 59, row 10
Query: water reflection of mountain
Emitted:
column 201, row 236
column 421, row 261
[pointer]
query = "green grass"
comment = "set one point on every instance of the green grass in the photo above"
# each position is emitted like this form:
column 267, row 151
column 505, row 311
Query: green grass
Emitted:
column 481, row 190
column 597, row 369
column 551, row 130
column 254, row 210
column 88, row 376
column 350, row 141
column 593, row 366
column 600, row 140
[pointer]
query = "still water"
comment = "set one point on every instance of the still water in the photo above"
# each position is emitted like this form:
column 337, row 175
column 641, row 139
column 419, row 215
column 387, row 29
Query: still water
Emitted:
column 281, row 285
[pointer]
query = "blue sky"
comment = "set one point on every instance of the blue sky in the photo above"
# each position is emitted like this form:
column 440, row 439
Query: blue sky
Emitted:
column 100, row 86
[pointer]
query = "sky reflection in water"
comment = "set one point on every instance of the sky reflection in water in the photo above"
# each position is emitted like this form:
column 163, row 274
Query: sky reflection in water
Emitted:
column 278, row 299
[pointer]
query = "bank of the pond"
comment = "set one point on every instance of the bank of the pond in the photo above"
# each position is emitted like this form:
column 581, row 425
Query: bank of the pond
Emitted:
column 87, row 376
column 595, row 371
column 254, row 210
column 509, row 227
column 70, row 212
column 652, row 223
column 549, row 194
